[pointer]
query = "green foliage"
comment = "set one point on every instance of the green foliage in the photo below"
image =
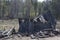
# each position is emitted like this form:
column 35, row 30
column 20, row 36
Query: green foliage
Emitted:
column 4, row 9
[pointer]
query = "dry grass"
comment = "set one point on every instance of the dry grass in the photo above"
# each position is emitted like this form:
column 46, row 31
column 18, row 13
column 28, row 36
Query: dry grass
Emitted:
column 58, row 25
column 6, row 24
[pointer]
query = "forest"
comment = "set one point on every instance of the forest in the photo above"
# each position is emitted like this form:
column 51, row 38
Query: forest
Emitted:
column 10, row 9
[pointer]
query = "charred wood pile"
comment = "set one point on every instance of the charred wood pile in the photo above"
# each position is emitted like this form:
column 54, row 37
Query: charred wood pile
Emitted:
column 43, row 25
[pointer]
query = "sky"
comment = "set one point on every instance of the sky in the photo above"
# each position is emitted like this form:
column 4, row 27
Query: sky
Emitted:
column 40, row 0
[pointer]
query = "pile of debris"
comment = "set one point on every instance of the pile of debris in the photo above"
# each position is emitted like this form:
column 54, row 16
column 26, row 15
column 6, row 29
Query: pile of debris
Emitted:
column 44, row 25
column 7, row 33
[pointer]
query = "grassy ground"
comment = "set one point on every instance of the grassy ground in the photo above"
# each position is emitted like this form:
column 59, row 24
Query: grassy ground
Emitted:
column 58, row 25
column 6, row 24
